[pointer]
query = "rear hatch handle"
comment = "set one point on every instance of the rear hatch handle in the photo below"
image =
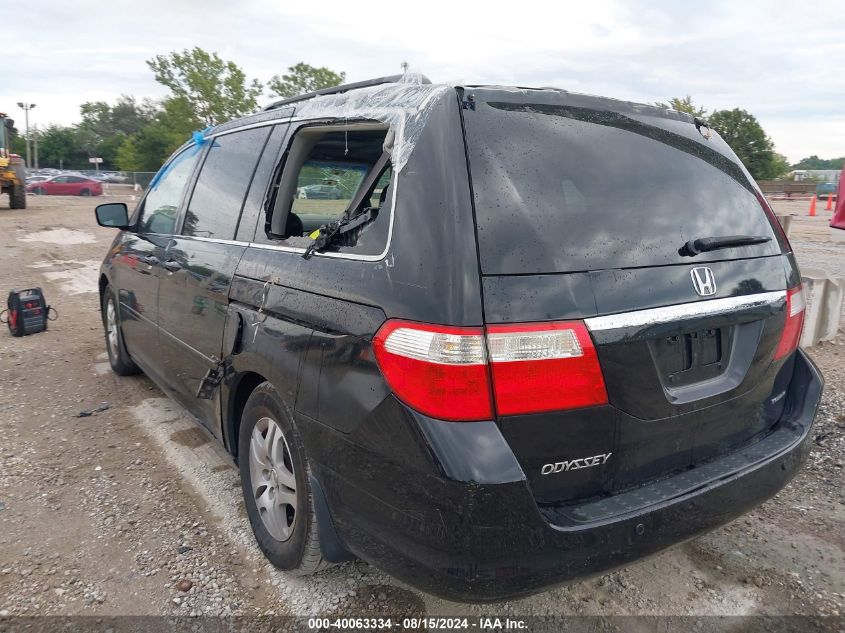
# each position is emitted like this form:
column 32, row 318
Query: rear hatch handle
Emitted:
column 704, row 244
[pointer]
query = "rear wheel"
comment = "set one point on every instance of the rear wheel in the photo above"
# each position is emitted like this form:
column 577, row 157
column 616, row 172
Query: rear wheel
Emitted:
column 17, row 197
column 119, row 359
column 274, row 478
column 85, row 192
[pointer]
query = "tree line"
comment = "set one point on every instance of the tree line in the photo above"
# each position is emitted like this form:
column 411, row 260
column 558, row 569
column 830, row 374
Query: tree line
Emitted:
column 133, row 135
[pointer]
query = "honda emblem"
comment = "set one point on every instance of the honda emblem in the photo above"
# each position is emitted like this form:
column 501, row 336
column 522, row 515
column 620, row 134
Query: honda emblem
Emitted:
column 703, row 281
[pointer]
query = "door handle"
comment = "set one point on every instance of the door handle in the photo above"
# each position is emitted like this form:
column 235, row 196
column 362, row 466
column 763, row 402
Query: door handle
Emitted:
column 150, row 260
column 172, row 266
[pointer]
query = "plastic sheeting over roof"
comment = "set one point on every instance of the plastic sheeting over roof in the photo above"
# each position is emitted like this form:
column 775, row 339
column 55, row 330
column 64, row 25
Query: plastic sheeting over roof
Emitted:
column 404, row 106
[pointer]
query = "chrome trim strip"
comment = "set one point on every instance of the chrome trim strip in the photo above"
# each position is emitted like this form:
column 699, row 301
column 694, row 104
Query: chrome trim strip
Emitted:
column 213, row 240
column 252, row 126
column 209, row 360
column 683, row 311
column 137, row 314
column 280, row 121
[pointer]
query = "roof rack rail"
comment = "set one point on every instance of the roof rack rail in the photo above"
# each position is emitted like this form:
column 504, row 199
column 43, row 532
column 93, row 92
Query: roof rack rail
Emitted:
column 391, row 79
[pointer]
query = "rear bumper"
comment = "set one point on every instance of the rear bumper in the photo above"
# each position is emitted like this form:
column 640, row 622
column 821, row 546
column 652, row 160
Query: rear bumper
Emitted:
column 479, row 542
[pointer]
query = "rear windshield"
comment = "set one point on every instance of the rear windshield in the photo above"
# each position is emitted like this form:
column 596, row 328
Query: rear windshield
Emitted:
column 561, row 188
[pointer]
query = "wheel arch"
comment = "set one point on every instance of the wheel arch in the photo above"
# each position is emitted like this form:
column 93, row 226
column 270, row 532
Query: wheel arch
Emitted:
column 239, row 393
column 103, row 282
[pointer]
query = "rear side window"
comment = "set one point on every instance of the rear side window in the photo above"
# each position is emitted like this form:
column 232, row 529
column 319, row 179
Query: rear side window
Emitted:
column 562, row 189
column 252, row 215
column 161, row 206
column 222, row 184
column 329, row 172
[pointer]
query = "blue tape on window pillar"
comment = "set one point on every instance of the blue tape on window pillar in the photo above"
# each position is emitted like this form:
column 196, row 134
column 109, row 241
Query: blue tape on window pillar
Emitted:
column 198, row 138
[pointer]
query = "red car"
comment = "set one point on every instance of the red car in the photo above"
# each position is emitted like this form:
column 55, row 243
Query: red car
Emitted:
column 66, row 186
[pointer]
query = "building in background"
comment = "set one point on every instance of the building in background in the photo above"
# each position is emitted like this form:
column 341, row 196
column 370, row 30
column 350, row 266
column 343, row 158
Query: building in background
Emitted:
column 819, row 175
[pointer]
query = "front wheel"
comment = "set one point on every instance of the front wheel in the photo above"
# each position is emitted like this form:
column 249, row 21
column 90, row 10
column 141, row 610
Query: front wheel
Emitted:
column 38, row 191
column 274, row 478
column 119, row 359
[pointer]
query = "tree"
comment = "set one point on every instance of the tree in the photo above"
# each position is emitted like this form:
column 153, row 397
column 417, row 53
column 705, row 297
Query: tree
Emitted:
column 127, row 157
column 303, row 78
column 683, row 104
column 59, row 146
column 746, row 137
column 17, row 142
column 150, row 147
column 814, row 162
column 104, row 127
column 215, row 89
column 780, row 166
column 126, row 116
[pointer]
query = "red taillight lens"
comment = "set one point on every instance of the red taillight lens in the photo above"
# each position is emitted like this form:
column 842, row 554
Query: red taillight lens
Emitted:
column 443, row 371
column 794, row 322
column 440, row 371
column 544, row 367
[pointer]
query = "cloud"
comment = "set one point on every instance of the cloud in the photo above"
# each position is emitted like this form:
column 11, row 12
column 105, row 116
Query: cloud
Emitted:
column 779, row 62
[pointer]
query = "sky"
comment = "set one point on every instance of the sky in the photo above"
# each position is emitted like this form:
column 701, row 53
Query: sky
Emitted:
column 781, row 61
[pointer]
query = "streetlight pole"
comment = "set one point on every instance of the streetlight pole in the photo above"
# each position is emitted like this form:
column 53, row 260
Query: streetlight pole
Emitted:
column 26, row 108
column 35, row 147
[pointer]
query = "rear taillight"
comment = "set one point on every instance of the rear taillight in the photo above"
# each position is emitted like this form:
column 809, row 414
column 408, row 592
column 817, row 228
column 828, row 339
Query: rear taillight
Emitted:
column 794, row 321
column 438, row 370
column 445, row 372
column 544, row 367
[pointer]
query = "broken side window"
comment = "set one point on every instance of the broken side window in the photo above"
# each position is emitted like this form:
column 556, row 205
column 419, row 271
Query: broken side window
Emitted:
column 332, row 194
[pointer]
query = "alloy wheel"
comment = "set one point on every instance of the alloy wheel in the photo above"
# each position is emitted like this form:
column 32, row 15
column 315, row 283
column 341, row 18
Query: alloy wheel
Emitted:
column 272, row 478
column 111, row 329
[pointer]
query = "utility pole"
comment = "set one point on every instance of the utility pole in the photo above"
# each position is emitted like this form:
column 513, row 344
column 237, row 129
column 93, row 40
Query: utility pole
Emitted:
column 35, row 146
column 26, row 108
column 404, row 68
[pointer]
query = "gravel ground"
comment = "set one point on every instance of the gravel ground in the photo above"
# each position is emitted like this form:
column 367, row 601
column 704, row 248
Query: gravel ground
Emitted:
column 135, row 511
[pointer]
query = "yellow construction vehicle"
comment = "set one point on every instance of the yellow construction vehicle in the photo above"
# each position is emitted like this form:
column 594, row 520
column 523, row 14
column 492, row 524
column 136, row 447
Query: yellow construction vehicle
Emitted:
column 12, row 168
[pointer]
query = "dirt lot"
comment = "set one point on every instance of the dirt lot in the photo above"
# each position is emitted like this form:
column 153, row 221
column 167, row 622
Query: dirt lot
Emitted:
column 133, row 511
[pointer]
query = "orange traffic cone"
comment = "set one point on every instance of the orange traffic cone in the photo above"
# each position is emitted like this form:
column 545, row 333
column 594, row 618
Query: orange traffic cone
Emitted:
column 829, row 205
column 812, row 206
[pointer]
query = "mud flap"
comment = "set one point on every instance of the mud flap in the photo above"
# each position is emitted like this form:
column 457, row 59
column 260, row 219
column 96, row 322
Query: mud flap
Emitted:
column 330, row 545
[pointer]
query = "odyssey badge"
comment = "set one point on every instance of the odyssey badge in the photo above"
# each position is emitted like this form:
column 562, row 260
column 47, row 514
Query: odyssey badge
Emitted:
column 575, row 464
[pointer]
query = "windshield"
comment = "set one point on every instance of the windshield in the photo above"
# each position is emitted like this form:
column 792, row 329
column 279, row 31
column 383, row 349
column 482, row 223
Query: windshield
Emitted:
column 560, row 188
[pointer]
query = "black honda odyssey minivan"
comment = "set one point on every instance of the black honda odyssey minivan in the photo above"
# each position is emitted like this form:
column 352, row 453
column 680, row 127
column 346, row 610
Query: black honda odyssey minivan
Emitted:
column 527, row 336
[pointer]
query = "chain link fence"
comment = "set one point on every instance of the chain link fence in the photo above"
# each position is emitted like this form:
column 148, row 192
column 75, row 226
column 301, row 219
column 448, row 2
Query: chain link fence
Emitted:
column 140, row 178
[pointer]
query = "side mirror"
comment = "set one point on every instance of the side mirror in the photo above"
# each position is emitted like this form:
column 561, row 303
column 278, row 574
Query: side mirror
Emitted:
column 114, row 215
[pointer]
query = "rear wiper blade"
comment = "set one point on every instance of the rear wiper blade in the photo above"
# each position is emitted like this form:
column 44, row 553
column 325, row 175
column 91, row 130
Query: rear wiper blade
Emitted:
column 704, row 244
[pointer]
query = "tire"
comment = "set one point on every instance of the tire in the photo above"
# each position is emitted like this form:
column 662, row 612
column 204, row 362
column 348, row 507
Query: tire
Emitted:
column 38, row 191
column 286, row 533
column 85, row 192
column 119, row 359
column 17, row 197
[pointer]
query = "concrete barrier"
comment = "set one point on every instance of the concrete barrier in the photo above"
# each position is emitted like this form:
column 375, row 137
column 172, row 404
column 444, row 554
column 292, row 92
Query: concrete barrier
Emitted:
column 824, row 297
column 785, row 222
